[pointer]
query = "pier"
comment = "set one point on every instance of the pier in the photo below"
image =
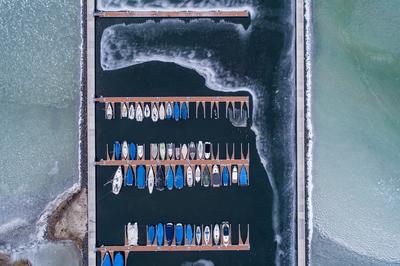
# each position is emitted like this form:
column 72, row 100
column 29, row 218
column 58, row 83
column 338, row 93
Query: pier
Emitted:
column 176, row 14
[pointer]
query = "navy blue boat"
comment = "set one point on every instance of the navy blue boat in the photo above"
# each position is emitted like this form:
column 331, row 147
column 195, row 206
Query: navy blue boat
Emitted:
column 118, row 260
column 176, row 111
column 129, row 180
column 117, row 150
column 189, row 234
column 179, row 234
column 170, row 178
column 179, row 178
column 225, row 176
column 169, row 233
column 141, row 177
column 106, row 260
column 151, row 234
column 160, row 234
column 184, row 111
column 132, row 151
column 160, row 178
column 243, row 177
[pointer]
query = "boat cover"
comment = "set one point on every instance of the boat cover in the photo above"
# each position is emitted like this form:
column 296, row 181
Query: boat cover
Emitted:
column 176, row 111
column 117, row 150
column 129, row 176
column 189, row 234
column 243, row 176
column 225, row 176
column 179, row 234
column 141, row 177
column 179, row 177
column 169, row 233
column 170, row 178
column 118, row 260
column 160, row 234
column 184, row 111
column 132, row 151
column 151, row 234
column 106, row 260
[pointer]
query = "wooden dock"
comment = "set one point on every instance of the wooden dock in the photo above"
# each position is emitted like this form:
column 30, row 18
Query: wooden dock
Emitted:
column 176, row 14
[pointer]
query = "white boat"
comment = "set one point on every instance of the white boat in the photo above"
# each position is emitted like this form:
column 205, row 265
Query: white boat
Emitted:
column 124, row 110
column 177, row 153
column 117, row 181
column 150, row 180
column 161, row 111
column 154, row 150
column 140, row 151
column 125, row 149
column 162, row 151
column 184, row 151
column 200, row 150
column 139, row 113
column 132, row 234
column 216, row 234
column 225, row 233
column 197, row 174
column 189, row 176
column 206, row 235
column 147, row 110
column 198, row 235
column 131, row 112
column 207, row 150
column 154, row 113
column 170, row 150
column 192, row 150
column 109, row 111
column 234, row 174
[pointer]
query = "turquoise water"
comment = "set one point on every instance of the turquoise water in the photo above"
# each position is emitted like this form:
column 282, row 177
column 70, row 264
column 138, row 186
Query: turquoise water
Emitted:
column 39, row 93
column 355, row 115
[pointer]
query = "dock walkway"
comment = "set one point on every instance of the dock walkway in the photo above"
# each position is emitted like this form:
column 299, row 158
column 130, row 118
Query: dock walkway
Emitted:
column 176, row 14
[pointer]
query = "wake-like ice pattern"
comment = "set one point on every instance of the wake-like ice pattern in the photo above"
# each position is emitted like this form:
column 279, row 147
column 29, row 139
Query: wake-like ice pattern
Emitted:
column 126, row 45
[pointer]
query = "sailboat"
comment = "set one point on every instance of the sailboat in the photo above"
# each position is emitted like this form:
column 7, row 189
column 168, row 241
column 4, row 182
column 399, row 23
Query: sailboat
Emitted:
column 132, row 151
column 140, row 151
column 162, row 151
column 189, row 234
column 106, row 260
column 170, row 150
column 129, row 177
column 150, row 180
column 197, row 174
column 160, row 234
column 125, row 150
column 117, row 181
column 154, row 113
column 200, row 150
column 109, row 111
column 184, row 151
column 243, row 181
column 170, row 178
column 225, row 233
column 216, row 178
column 176, row 111
column 131, row 112
column 179, row 181
column 206, row 235
column 117, row 150
column 161, row 111
column 206, row 179
column 139, row 113
column 118, row 259
column 147, row 110
column 198, row 235
column 154, row 151
column 132, row 232
column 192, row 150
column 179, row 234
column 141, row 177
column 216, row 234
column 169, row 111
column 124, row 110
column 151, row 234
column 189, row 176
column 184, row 111
column 160, row 178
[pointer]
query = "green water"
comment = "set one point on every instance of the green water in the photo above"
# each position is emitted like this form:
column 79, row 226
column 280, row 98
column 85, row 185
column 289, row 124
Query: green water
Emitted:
column 356, row 120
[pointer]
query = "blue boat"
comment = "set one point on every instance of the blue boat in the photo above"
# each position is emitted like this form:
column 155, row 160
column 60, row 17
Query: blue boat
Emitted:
column 118, row 260
column 132, row 151
column 160, row 234
column 117, row 150
column 169, row 233
column 168, row 114
column 225, row 176
column 184, row 111
column 243, row 176
column 179, row 234
column 170, row 178
column 189, row 234
column 129, row 180
column 179, row 177
column 151, row 234
column 141, row 177
column 106, row 260
column 176, row 111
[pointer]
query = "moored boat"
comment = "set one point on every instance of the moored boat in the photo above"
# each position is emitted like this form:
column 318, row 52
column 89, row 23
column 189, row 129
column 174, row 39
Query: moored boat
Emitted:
column 160, row 178
column 207, row 150
column 131, row 112
column 192, row 150
column 216, row 177
column 117, row 150
column 179, row 181
column 189, row 176
column 154, row 113
column 177, row 153
column 109, row 111
column 125, row 150
column 107, row 260
column 140, row 151
column 206, row 235
column 197, row 174
column 124, row 110
column 161, row 111
column 147, row 111
column 176, row 111
column 225, row 233
column 198, row 235
column 234, row 174
column 170, row 178
column 216, row 234
column 141, row 177
column 168, row 114
column 118, row 259
column 169, row 233
column 206, row 178
column 132, row 151
column 150, row 234
column 117, row 181
column 154, row 151
column 129, row 177
column 179, row 234
column 170, row 150
column 160, row 234
column 184, row 151
column 225, row 176
column 243, row 181
column 162, row 151
column 150, row 180
column 132, row 233
column 189, row 234
column 184, row 111
column 139, row 113
column 200, row 150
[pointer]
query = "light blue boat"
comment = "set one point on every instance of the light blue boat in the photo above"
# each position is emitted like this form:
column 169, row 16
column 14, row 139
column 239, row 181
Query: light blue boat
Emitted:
column 179, row 234
column 151, row 234
column 106, row 260
column 132, row 151
column 243, row 177
column 129, row 176
column 225, row 176
column 176, row 111
column 189, row 234
column 160, row 234
column 170, row 178
column 184, row 111
column 179, row 178
column 168, row 114
column 118, row 260
column 117, row 150
column 141, row 177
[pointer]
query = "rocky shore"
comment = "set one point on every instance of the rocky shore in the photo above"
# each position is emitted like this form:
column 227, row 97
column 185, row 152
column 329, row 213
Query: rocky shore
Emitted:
column 5, row 260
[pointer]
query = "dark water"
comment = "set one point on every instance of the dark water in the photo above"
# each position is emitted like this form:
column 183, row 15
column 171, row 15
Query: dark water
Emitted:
column 262, row 62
